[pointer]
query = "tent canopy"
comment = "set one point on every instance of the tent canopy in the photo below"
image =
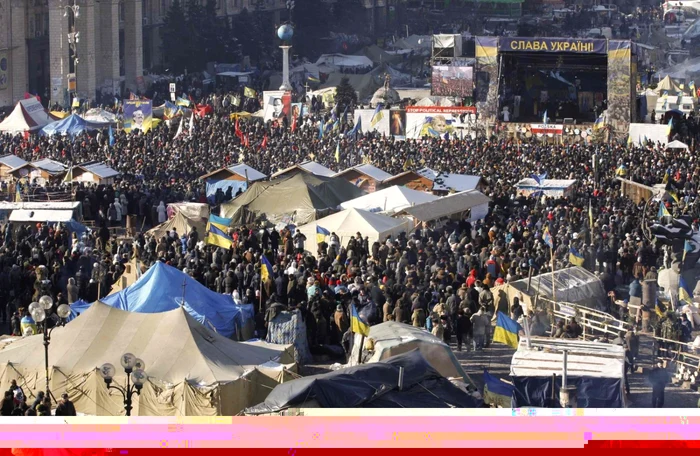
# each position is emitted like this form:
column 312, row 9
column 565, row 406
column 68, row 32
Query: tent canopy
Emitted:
column 667, row 85
column 368, row 170
column 349, row 222
column 41, row 215
column 676, row 145
column 180, row 223
column 162, row 288
column 298, row 198
column 100, row 116
column 448, row 181
column 446, row 206
column 390, row 200
column 341, row 60
column 358, row 387
column 309, row 166
column 28, row 115
column 178, row 353
column 72, row 125
column 393, row 338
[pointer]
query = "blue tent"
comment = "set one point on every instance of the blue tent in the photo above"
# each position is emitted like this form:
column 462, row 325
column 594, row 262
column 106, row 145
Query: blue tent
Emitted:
column 160, row 289
column 77, row 308
column 72, row 125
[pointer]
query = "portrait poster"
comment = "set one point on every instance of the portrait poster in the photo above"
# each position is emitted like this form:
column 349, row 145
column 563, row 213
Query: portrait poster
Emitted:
column 397, row 123
column 138, row 115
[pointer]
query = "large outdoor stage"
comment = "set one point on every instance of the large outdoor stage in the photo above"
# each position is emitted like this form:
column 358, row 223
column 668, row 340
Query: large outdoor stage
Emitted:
column 549, row 85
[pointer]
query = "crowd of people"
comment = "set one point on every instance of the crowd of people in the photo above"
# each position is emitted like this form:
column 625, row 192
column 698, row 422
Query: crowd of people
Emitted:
column 436, row 277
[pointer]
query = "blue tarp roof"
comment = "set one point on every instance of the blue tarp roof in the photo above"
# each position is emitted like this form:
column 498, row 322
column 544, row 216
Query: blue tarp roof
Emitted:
column 160, row 289
column 71, row 126
column 78, row 307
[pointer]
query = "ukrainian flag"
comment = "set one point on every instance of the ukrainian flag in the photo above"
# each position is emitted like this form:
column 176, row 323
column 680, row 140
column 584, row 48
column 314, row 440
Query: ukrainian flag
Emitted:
column 687, row 247
column 321, row 234
column 506, row 331
column 216, row 235
column 497, row 392
column 684, row 295
column 265, row 268
column 547, row 238
column 575, row 257
column 357, row 325
column 674, row 195
column 663, row 212
column 182, row 102
column 337, row 152
column 377, row 116
column 249, row 93
column 599, row 122
column 223, row 221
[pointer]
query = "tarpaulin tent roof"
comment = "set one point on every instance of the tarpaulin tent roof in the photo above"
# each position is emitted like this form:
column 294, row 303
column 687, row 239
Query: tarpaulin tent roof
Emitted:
column 298, row 198
column 180, row 223
column 374, row 385
column 308, row 167
column 162, row 288
column 369, row 170
column 392, row 338
column 28, row 115
column 191, row 370
column 390, row 200
column 341, row 60
column 100, row 170
column 574, row 285
column 349, row 222
column 667, row 85
column 446, row 206
column 71, row 126
column 676, row 145
column 449, row 181
column 13, row 161
column 40, row 215
column 100, row 116
column 50, row 166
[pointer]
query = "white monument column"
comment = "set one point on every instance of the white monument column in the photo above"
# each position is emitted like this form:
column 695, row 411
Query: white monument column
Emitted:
column 286, row 85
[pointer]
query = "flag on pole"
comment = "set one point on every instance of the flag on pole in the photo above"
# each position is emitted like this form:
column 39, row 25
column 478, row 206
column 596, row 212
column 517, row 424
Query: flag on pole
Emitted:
column 357, row 128
column 263, row 144
column 321, row 234
column 337, row 152
column 544, row 117
column 265, row 268
column 575, row 257
column 320, row 130
column 377, row 116
column 357, row 324
column 684, row 294
column 687, row 247
column 111, row 136
column 216, row 235
column 192, row 124
column 547, row 238
column 590, row 214
column 506, row 331
column 663, row 212
column 669, row 126
column 179, row 127
column 249, row 93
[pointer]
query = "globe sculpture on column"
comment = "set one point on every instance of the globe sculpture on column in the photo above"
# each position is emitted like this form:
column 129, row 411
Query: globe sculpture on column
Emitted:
column 285, row 33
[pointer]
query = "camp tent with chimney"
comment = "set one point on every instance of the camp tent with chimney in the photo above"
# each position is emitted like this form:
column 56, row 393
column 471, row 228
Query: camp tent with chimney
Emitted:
column 181, row 224
column 28, row 116
column 292, row 199
column 192, row 371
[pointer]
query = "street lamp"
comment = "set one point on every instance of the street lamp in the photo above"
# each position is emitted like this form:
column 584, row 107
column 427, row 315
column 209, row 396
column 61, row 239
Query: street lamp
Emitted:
column 134, row 368
column 42, row 312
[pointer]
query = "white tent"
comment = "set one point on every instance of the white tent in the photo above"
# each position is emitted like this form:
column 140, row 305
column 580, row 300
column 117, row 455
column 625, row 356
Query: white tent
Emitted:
column 341, row 60
column 393, row 338
column 191, row 370
column 548, row 187
column 349, row 222
column 28, row 115
column 676, row 145
column 389, row 200
column 100, row 116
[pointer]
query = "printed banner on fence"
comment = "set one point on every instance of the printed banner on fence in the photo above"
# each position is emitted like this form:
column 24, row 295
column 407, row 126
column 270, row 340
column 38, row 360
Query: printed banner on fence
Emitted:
column 441, row 109
column 435, row 121
column 138, row 115
column 573, row 45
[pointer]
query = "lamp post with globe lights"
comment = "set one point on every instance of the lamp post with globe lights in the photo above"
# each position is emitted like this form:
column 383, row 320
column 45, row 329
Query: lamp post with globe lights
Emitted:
column 134, row 368
column 42, row 312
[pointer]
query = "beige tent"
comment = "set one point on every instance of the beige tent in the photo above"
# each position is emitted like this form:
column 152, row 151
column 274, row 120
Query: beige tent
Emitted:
column 667, row 85
column 132, row 271
column 393, row 338
column 181, row 223
column 191, row 370
column 351, row 221
column 298, row 198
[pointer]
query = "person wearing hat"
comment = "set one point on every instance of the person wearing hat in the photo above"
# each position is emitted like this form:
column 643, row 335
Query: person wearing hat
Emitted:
column 65, row 406
column 341, row 320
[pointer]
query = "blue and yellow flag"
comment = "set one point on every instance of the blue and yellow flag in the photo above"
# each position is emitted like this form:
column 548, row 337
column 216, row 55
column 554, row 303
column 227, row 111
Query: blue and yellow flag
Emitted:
column 507, row 330
column 684, row 294
column 687, row 247
column 663, row 212
column 223, row 221
column 249, row 93
column 321, row 234
column 182, row 102
column 497, row 392
column 377, row 116
column 216, row 235
column 337, row 152
column 320, row 130
column 357, row 324
column 265, row 268
column 674, row 195
column 357, row 128
column 547, row 238
column 575, row 257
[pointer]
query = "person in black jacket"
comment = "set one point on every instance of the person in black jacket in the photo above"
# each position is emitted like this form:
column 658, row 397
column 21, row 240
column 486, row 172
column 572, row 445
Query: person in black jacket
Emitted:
column 65, row 406
column 7, row 405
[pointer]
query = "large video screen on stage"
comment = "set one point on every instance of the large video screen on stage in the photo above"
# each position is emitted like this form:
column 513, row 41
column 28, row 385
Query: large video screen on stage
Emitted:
column 452, row 81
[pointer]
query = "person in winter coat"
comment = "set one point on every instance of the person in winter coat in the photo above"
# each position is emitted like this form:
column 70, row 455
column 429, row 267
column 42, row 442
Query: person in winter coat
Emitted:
column 479, row 323
column 463, row 329
column 162, row 213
